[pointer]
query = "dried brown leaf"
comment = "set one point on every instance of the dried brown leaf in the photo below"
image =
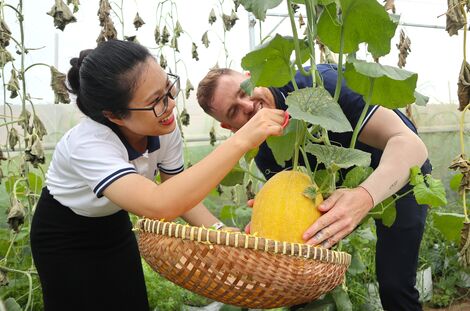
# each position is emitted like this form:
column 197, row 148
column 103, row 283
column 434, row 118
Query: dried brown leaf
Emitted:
column 212, row 17
column 189, row 88
column 455, row 18
column 229, row 20
column 138, row 21
column 5, row 34
column 462, row 164
column 463, row 86
column 34, row 152
column 165, row 36
column 174, row 43
column 194, row 51
column 464, row 252
column 184, row 117
column 16, row 215
column 163, row 62
column 301, row 21
column 205, row 40
column 103, row 11
column 404, row 47
column 13, row 138
column 156, row 35
column 58, row 86
column 61, row 14
column 39, row 126
column 178, row 29
column 131, row 39
column 13, row 85
column 5, row 57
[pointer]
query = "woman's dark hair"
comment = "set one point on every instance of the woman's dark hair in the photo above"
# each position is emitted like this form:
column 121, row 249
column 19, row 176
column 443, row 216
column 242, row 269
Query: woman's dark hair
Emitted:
column 105, row 78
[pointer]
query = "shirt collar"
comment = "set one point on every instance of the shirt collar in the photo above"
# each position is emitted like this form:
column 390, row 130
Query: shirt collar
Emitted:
column 153, row 144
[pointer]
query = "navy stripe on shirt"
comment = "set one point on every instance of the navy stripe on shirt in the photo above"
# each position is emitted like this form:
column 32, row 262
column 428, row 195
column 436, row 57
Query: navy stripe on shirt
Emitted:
column 102, row 185
column 172, row 171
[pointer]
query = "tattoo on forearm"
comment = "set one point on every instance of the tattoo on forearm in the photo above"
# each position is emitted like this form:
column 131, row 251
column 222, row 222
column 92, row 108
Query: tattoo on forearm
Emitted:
column 393, row 185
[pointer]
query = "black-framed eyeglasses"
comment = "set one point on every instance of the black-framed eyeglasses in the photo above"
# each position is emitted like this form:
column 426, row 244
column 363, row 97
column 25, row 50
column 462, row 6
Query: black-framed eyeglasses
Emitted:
column 160, row 104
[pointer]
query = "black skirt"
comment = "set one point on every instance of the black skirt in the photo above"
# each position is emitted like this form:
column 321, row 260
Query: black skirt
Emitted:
column 86, row 263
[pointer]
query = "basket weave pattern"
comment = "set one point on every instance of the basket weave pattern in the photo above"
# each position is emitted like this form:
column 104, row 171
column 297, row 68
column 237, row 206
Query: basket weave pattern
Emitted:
column 240, row 269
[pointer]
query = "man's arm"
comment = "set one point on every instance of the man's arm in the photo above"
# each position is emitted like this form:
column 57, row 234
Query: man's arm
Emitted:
column 345, row 208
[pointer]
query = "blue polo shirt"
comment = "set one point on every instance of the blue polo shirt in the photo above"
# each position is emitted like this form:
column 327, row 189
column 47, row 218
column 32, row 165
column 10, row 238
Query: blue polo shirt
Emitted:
column 352, row 105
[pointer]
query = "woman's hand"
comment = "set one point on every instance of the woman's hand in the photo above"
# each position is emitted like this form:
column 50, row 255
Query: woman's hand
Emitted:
column 266, row 122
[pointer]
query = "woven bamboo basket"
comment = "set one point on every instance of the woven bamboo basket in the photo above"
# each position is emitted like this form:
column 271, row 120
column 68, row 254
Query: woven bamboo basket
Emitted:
column 240, row 269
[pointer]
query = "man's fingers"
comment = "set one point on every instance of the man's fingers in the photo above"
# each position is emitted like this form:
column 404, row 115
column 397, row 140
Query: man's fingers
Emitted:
column 330, row 242
column 324, row 221
column 326, row 205
column 325, row 233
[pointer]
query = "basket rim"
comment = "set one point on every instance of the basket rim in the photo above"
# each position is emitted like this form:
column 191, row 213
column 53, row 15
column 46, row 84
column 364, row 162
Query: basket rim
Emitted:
column 240, row 240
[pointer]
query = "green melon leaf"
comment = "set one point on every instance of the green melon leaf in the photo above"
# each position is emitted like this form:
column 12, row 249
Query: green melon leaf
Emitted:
column 449, row 224
column 234, row 177
column 393, row 87
column 362, row 21
column 316, row 106
column 283, row 146
column 336, row 158
column 426, row 189
column 259, row 7
column 269, row 64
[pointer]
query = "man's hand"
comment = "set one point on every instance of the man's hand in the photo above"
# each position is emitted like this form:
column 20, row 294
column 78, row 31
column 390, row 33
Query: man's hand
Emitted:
column 343, row 211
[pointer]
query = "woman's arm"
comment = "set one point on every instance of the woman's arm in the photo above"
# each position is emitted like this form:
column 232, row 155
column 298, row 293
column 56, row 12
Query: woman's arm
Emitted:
column 198, row 215
column 182, row 192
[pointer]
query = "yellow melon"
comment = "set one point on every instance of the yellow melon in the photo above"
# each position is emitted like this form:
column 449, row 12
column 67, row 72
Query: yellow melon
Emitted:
column 281, row 210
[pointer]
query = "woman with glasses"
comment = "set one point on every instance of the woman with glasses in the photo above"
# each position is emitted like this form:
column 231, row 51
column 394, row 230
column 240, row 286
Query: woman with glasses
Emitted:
column 82, row 242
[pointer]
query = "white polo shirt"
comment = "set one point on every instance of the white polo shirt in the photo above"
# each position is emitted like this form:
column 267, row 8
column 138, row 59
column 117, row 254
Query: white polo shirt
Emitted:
column 91, row 156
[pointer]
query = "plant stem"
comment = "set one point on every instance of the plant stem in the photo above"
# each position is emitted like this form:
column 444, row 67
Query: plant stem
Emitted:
column 340, row 64
column 462, row 150
column 363, row 114
column 36, row 64
column 11, row 122
column 296, row 39
column 30, row 280
column 311, row 35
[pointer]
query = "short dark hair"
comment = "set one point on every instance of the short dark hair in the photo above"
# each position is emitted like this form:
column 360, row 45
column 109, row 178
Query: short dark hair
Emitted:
column 207, row 86
column 105, row 78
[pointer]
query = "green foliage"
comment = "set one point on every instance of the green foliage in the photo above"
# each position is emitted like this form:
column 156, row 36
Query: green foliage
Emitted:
column 316, row 106
column 283, row 146
column 234, row 177
column 359, row 21
column 259, row 8
column 449, row 224
column 269, row 64
column 356, row 176
column 426, row 189
column 392, row 87
column 338, row 157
